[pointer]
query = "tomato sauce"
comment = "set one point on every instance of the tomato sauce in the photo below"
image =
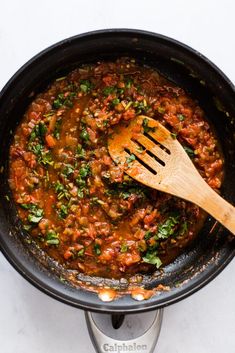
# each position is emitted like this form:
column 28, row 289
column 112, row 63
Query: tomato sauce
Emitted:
column 76, row 203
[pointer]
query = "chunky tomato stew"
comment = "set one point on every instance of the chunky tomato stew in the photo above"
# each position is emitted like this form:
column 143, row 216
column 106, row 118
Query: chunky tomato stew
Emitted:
column 80, row 207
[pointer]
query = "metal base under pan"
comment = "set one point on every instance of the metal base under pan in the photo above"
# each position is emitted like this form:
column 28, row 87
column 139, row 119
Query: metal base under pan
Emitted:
column 119, row 333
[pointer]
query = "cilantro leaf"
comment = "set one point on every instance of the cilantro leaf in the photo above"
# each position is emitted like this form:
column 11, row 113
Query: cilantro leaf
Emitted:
column 97, row 249
column 151, row 258
column 52, row 238
column 85, row 86
column 167, row 228
column 189, row 152
column 130, row 159
column 146, row 127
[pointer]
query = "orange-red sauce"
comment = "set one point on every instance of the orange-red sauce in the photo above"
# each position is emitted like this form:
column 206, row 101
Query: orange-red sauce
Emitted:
column 75, row 202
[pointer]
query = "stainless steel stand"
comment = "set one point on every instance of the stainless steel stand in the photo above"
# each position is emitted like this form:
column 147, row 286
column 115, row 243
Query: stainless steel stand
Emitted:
column 129, row 333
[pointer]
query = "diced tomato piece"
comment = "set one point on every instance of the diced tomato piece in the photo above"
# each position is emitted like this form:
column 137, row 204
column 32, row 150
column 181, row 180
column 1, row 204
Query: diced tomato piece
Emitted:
column 51, row 141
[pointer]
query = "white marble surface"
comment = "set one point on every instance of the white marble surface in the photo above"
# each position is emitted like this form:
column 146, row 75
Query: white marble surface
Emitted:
column 29, row 320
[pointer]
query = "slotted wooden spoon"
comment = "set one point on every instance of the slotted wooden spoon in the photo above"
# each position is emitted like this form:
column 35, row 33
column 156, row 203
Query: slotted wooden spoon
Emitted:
column 150, row 154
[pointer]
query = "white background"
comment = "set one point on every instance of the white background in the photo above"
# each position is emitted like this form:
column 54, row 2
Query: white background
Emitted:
column 31, row 322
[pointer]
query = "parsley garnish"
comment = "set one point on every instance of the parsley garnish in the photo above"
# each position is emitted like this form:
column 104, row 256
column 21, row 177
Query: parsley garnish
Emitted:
column 67, row 170
column 84, row 135
column 84, row 171
column 109, row 90
column 148, row 235
column 63, row 100
column 85, row 86
column 181, row 117
column 151, row 258
column 80, row 152
column 39, row 131
column 173, row 135
column 80, row 252
column 167, row 228
column 57, row 128
column 63, row 211
column 141, row 107
column 161, row 110
column 45, row 158
column 130, row 159
column 97, row 249
column 52, row 238
column 189, row 151
column 129, row 82
column 61, row 191
column 35, row 213
column 115, row 101
column 124, row 248
column 146, row 127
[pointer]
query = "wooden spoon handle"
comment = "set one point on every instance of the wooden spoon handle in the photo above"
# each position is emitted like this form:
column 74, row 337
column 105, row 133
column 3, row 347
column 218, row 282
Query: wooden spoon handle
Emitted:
column 217, row 207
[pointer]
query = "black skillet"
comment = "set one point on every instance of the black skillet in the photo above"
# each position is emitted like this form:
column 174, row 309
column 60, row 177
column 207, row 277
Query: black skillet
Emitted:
column 214, row 247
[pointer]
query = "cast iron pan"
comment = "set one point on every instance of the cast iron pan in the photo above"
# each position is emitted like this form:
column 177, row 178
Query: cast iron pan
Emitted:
column 214, row 247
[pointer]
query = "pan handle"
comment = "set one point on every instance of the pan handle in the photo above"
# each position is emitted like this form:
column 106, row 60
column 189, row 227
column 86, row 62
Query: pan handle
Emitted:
column 144, row 343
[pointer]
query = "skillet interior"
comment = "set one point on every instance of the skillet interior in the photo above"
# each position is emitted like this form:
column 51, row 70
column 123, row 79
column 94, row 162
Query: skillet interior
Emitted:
column 213, row 248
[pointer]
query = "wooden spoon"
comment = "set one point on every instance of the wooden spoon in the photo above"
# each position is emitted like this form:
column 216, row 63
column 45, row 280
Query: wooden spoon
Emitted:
column 152, row 155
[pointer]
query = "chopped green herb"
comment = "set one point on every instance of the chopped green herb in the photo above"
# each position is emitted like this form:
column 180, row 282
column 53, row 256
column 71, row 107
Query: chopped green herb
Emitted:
column 80, row 252
column 63, row 100
column 141, row 107
column 189, row 151
column 129, row 82
column 151, row 258
column 130, row 159
column 67, row 170
column 80, row 181
column 27, row 227
column 96, row 201
column 129, row 104
column 52, row 238
column 161, row 110
column 57, row 128
column 97, row 249
column 36, row 149
column 115, row 101
column 146, row 127
column 183, row 228
column 181, row 117
column 34, row 219
column 58, row 103
column 46, row 158
column 148, row 235
column 59, row 187
column 80, row 152
column 105, row 122
column 60, row 78
column 63, row 211
column 124, row 248
column 84, row 135
column 140, row 149
column 167, row 229
column 109, row 90
column 84, row 171
column 48, row 115
column 61, row 191
column 39, row 131
column 80, row 193
column 35, row 213
column 85, row 86
column 125, row 194
column 173, row 135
